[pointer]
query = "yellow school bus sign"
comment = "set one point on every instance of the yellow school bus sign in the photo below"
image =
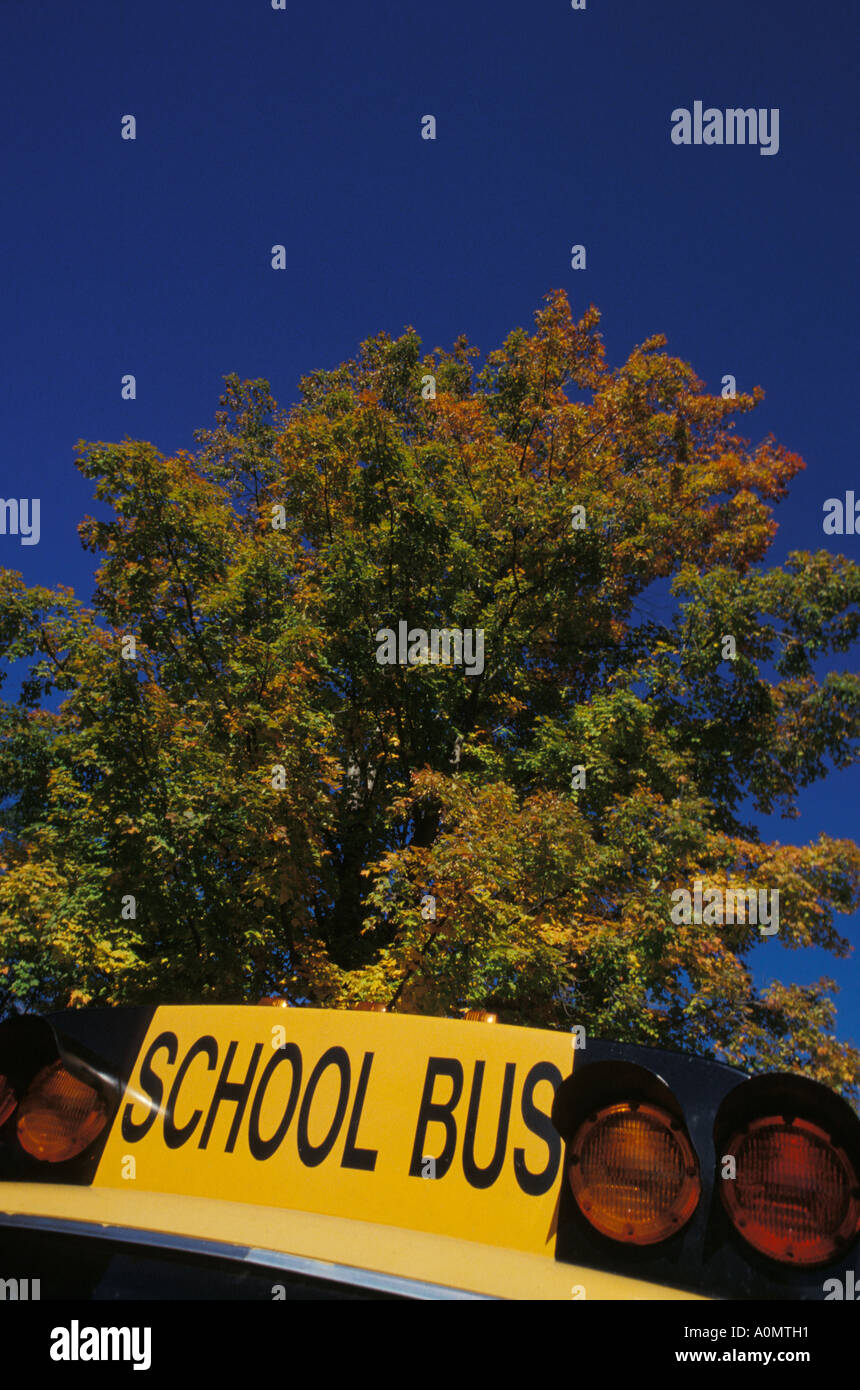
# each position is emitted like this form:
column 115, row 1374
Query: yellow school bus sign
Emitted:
column 422, row 1123
column 423, row 1157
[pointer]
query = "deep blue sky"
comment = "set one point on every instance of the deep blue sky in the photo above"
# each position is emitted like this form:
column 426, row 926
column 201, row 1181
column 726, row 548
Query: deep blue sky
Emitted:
column 302, row 127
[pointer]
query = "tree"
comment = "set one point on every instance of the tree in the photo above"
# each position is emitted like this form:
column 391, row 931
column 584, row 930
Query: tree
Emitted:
column 245, row 801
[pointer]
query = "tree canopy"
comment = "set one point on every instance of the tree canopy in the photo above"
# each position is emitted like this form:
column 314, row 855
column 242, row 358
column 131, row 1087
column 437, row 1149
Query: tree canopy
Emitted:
column 243, row 801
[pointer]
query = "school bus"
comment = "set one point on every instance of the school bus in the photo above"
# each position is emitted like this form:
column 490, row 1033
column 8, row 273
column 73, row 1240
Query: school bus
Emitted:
column 248, row 1151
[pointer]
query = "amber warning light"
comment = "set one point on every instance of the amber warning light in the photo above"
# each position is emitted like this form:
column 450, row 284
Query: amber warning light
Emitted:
column 59, row 1116
column 634, row 1173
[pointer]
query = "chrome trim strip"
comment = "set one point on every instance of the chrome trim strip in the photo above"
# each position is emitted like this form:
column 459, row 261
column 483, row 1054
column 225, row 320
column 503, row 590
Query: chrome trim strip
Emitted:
column 275, row 1259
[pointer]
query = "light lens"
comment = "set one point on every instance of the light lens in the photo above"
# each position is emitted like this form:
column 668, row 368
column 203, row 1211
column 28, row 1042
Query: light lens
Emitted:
column 794, row 1195
column 59, row 1116
column 634, row 1173
column 7, row 1100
